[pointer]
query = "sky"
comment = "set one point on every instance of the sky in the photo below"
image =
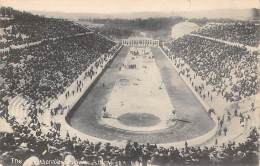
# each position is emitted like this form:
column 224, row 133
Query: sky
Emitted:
column 127, row 6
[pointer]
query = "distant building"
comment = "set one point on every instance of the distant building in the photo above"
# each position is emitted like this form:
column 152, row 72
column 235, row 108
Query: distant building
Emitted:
column 135, row 41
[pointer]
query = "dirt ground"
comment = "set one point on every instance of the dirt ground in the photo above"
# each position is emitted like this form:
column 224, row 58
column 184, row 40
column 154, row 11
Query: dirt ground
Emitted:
column 86, row 115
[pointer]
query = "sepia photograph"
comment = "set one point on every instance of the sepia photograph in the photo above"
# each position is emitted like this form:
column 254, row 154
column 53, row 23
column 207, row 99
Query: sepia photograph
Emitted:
column 129, row 82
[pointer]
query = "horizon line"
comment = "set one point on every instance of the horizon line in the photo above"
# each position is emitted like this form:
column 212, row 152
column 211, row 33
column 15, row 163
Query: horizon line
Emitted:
column 131, row 12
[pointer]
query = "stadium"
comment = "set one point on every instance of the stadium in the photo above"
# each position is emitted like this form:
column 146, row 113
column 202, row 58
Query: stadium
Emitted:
column 156, row 91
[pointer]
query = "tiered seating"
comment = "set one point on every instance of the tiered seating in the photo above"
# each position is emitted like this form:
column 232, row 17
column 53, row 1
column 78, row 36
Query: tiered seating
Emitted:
column 231, row 70
column 45, row 70
column 24, row 28
column 25, row 143
column 247, row 33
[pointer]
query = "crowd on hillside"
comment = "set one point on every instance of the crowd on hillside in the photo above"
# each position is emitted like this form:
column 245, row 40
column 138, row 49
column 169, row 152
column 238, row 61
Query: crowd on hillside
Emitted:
column 247, row 33
column 231, row 70
column 114, row 32
column 24, row 28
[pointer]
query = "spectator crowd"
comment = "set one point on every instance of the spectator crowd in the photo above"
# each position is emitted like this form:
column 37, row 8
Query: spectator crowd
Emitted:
column 23, row 28
column 231, row 70
column 43, row 71
column 244, row 32
column 26, row 142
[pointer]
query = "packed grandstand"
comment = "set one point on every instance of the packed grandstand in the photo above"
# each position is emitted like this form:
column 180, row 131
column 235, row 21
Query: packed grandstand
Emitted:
column 41, row 58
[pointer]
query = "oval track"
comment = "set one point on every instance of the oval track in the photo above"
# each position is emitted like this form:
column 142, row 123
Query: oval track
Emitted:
column 85, row 116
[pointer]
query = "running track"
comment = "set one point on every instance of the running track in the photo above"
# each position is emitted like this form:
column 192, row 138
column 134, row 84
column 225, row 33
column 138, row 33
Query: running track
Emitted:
column 85, row 115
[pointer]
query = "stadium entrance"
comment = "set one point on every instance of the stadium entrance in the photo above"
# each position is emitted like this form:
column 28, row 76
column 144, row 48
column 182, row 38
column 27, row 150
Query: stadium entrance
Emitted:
column 140, row 42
